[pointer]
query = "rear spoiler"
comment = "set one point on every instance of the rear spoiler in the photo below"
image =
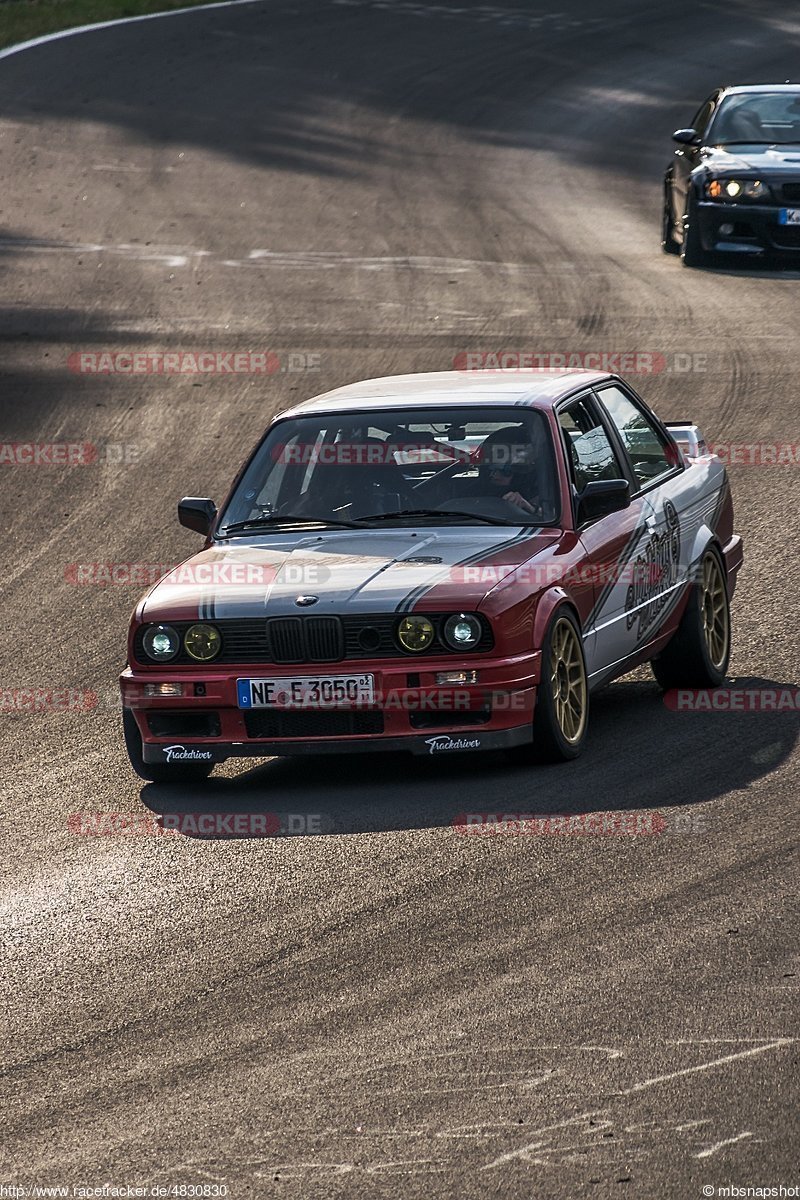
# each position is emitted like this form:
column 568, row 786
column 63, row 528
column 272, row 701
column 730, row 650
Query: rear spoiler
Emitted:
column 689, row 438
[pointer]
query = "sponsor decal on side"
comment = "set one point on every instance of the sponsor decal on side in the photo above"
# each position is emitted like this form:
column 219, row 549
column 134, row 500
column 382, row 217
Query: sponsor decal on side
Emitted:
column 655, row 573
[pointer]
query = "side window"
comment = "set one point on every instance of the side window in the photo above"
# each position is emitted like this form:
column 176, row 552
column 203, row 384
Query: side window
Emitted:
column 650, row 455
column 590, row 452
column 703, row 115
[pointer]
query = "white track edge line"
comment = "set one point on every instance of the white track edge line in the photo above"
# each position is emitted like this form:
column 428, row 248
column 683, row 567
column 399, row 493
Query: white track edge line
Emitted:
column 65, row 33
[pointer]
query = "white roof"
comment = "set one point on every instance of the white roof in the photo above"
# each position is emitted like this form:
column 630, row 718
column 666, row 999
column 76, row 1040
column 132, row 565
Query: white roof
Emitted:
column 439, row 388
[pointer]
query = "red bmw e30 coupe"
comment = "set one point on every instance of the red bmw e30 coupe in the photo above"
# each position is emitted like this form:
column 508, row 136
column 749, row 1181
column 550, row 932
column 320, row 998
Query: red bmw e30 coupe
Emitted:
column 435, row 563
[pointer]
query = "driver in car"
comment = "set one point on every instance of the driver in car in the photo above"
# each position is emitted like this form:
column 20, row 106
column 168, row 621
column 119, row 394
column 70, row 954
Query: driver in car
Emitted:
column 501, row 479
column 509, row 472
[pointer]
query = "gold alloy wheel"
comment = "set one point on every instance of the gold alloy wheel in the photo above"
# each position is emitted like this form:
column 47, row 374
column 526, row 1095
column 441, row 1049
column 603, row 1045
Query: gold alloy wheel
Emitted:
column 568, row 681
column 716, row 622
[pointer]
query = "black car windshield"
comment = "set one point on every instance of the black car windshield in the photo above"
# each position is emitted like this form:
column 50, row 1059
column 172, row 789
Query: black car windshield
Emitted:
column 468, row 466
column 760, row 118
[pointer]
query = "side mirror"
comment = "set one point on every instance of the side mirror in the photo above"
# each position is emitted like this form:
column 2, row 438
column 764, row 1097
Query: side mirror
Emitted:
column 686, row 137
column 601, row 497
column 197, row 514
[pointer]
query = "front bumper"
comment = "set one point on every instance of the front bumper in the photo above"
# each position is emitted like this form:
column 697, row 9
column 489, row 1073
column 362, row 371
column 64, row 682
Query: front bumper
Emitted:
column 411, row 711
column 755, row 229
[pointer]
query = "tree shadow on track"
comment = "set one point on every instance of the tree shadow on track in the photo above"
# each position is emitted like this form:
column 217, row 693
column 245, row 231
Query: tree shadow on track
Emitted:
column 276, row 86
column 641, row 756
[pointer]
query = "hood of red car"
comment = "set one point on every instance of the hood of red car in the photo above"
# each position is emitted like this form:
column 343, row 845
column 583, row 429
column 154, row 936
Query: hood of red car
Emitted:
column 362, row 571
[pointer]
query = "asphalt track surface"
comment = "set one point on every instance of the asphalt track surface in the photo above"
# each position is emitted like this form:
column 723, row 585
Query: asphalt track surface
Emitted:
column 386, row 1007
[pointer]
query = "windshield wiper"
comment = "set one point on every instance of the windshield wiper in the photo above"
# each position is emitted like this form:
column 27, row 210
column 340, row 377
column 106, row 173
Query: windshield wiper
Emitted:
column 288, row 519
column 438, row 514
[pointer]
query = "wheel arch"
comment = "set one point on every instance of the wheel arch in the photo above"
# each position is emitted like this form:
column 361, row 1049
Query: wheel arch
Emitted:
column 551, row 600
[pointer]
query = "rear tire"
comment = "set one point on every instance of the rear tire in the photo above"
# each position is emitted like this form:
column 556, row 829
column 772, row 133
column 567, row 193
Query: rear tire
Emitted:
column 561, row 718
column 184, row 772
column 699, row 652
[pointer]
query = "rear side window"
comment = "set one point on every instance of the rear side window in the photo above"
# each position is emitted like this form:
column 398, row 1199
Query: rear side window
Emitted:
column 651, row 456
column 590, row 452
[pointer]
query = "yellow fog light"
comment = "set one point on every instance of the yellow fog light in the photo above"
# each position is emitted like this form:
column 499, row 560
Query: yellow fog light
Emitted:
column 415, row 633
column 202, row 642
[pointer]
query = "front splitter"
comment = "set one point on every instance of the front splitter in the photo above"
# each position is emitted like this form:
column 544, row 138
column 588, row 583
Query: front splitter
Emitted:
column 462, row 741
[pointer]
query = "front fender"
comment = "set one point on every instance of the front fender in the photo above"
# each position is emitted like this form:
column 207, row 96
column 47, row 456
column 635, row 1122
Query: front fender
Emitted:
column 549, row 601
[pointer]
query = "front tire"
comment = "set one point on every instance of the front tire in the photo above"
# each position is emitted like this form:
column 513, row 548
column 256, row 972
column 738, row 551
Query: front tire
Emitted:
column 693, row 254
column 561, row 719
column 698, row 654
column 184, row 772
column 668, row 243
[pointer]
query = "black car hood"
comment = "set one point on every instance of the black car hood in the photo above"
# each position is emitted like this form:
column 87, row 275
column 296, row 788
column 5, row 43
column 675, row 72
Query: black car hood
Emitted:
column 769, row 161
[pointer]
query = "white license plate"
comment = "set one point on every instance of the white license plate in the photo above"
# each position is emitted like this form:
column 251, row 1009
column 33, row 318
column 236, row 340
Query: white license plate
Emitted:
column 306, row 691
column 789, row 216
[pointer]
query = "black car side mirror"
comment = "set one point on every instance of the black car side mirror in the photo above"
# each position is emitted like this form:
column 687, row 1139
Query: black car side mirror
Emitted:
column 601, row 497
column 197, row 514
column 686, row 137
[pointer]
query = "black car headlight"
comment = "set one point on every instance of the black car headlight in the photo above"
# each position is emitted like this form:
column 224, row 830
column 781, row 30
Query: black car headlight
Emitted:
column 202, row 642
column 462, row 631
column 737, row 191
column 161, row 643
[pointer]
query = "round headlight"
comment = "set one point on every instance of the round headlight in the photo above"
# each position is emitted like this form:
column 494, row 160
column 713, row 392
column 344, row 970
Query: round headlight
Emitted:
column 202, row 642
column 462, row 631
column 737, row 189
column 415, row 633
column 161, row 643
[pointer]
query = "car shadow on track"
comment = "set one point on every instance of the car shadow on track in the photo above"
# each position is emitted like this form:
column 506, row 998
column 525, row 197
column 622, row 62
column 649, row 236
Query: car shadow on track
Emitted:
column 762, row 268
column 641, row 755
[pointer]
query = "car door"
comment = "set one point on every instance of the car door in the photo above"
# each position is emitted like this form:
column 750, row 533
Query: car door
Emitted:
column 593, row 454
column 668, row 519
column 686, row 158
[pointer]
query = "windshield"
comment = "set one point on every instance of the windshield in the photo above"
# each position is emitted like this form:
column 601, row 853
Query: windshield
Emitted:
column 767, row 118
column 466, row 466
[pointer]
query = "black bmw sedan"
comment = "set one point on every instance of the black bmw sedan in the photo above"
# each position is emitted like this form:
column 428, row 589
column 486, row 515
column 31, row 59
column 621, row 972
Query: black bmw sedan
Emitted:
column 733, row 185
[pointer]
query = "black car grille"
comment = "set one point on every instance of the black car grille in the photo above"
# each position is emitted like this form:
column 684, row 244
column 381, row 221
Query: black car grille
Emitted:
column 791, row 192
column 288, row 640
column 285, row 723
column 305, row 639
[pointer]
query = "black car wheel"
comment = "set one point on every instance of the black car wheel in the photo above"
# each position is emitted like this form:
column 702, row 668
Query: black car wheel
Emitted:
column 183, row 772
column 668, row 243
column 698, row 654
column 693, row 254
